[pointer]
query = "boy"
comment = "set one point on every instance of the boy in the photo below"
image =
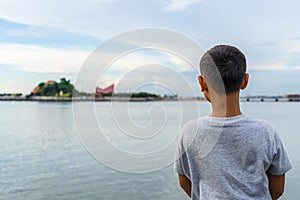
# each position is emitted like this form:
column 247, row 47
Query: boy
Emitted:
column 227, row 155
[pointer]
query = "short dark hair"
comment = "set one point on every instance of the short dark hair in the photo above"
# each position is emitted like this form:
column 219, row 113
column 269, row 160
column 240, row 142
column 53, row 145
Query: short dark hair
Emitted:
column 224, row 67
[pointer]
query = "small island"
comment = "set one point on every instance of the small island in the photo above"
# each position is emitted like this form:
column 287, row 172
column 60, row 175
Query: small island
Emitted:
column 51, row 88
column 64, row 90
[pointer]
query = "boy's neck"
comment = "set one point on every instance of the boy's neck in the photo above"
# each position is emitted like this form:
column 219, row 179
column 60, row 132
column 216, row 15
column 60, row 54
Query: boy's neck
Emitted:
column 226, row 105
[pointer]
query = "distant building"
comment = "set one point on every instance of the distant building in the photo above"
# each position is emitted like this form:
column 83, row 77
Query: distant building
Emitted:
column 108, row 90
column 293, row 97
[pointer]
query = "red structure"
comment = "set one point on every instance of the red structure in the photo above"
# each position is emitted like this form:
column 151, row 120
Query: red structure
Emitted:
column 107, row 90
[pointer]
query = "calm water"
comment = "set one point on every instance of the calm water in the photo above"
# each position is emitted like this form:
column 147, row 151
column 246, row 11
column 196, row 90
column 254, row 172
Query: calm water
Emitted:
column 41, row 156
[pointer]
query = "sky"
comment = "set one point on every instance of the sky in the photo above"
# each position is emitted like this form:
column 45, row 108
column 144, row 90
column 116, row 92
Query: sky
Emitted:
column 47, row 40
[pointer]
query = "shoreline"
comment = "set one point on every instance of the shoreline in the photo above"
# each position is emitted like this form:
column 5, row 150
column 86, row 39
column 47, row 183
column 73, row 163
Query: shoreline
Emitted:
column 144, row 99
column 88, row 99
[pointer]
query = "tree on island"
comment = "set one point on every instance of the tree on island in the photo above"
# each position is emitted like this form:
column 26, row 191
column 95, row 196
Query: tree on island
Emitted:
column 51, row 88
column 136, row 95
column 65, row 87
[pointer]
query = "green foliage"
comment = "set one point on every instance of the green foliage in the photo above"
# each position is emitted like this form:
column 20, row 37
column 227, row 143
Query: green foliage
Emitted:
column 143, row 95
column 107, row 94
column 81, row 94
column 17, row 94
column 11, row 94
column 65, row 87
column 137, row 95
column 41, row 85
column 51, row 88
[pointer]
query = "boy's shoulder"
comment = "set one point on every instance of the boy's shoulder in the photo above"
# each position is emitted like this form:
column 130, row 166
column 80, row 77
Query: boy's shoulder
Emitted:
column 241, row 121
column 260, row 123
column 194, row 124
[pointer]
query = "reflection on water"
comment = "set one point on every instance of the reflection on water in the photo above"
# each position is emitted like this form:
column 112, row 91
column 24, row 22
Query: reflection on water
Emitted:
column 41, row 156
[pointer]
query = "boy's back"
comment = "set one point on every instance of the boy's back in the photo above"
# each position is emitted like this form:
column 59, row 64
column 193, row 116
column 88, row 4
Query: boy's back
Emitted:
column 228, row 155
column 229, row 158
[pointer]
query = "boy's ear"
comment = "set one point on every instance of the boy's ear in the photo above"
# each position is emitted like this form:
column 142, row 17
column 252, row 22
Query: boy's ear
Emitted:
column 202, row 83
column 245, row 81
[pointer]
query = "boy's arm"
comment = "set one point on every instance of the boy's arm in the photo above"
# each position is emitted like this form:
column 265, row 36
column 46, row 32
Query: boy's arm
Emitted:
column 185, row 184
column 276, row 185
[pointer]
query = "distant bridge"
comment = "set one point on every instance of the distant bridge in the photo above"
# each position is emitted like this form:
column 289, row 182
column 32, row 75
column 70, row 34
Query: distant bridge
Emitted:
column 270, row 98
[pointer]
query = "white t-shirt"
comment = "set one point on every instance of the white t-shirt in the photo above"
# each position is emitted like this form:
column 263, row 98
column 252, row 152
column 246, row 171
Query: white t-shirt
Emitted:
column 229, row 158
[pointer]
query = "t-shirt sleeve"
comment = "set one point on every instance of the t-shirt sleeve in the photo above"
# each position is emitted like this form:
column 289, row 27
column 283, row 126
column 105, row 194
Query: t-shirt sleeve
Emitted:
column 280, row 162
column 181, row 165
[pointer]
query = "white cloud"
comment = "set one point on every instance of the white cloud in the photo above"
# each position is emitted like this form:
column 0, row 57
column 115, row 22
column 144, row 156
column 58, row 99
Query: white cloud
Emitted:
column 41, row 59
column 177, row 5
column 279, row 56
column 97, row 18
column 6, row 87
column 32, row 31
column 15, row 87
column 160, row 79
column 268, row 67
column 150, row 57
column 81, row 16
column 147, row 59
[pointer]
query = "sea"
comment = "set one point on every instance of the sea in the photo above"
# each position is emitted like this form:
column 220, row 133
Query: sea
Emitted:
column 113, row 151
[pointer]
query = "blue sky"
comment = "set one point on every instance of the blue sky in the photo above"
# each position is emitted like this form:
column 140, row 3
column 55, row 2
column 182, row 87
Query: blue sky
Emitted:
column 47, row 40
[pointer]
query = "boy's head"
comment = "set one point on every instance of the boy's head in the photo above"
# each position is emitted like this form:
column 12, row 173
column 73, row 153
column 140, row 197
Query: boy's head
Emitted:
column 223, row 67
